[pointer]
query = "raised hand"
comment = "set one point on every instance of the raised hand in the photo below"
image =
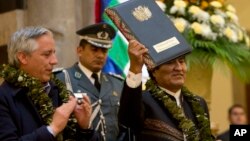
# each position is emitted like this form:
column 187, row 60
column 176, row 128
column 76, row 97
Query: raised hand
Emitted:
column 136, row 51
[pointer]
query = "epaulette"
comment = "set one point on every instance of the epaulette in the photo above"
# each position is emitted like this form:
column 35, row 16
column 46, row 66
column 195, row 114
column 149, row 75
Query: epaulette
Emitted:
column 117, row 76
column 57, row 70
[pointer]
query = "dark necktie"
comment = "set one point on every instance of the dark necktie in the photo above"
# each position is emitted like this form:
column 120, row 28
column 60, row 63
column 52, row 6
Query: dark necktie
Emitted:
column 96, row 83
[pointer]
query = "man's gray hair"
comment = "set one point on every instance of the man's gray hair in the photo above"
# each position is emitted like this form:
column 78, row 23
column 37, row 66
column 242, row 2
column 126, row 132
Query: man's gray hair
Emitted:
column 24, row 41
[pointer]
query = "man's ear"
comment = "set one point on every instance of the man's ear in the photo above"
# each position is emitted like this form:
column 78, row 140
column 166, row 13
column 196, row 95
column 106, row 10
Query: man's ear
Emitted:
column 22, row 57
column 79, row 50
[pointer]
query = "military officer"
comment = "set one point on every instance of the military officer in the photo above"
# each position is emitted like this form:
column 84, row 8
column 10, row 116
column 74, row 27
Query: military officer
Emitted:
column 86, row 76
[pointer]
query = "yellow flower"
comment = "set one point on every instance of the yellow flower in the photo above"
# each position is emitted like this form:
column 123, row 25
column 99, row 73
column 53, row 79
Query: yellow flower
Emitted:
column 161, row 5
column 197, row 28
column 217, row 20
column 230, row 34
column 216, row 4
column 204, row 4
column 179, row 7
column 194, row 9
column 240, row 35
column 247, row 40
column 180, row 4
column 232, row 16
column 180, row 24
column 231, row 8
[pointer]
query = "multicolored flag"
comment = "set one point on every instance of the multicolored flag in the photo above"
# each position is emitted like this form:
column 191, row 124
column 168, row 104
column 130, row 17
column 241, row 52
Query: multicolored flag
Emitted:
column 118, row 58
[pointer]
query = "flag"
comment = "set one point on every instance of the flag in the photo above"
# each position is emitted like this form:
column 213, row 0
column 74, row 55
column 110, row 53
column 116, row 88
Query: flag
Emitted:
column 118, row 59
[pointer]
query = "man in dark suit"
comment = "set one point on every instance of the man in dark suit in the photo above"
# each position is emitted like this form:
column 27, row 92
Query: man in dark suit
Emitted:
column 86, row 76
column 236, row 116
column 166, row 111
column 35, row 106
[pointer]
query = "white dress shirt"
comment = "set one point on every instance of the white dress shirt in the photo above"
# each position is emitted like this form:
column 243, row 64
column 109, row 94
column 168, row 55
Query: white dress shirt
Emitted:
column 88, row 73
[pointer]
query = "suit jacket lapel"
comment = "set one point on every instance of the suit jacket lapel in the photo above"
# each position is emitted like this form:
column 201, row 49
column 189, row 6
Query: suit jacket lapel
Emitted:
column 54, row 96
column 188, row 110
column 24, row 100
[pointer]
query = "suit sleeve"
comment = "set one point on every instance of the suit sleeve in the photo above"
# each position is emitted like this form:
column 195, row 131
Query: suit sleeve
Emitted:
column 131, row 112
column 87, row 135
column 9, row 131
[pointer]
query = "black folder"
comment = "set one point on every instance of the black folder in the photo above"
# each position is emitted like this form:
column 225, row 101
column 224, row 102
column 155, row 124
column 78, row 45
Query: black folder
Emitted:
column 144, row 21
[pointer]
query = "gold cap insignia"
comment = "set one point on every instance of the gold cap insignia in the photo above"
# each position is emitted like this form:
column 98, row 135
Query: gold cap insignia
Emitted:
column 102, row 35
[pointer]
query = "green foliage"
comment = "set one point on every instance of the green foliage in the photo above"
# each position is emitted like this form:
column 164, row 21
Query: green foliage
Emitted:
column 36, row 93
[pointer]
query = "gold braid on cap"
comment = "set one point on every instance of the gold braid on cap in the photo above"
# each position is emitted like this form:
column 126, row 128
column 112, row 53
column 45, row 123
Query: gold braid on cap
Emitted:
column 94, row 39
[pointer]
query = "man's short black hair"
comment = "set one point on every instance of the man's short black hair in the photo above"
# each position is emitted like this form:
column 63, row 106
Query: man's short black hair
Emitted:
column 150, row 73
column 83, row 43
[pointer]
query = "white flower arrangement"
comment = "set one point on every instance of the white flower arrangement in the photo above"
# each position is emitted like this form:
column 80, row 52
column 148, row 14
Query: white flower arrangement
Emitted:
column 212, row 28
column 216, row 20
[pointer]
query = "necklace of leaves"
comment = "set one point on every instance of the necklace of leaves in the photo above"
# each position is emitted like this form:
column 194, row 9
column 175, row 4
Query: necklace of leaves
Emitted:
column 193, row 133
column 37, row 94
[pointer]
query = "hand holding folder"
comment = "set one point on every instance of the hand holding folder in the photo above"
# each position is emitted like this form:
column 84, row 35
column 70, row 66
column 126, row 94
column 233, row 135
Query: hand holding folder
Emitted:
column 144, row 21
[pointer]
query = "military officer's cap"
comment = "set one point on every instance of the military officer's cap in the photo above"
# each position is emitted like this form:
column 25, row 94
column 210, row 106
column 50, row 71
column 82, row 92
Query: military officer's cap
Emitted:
column 99, row 35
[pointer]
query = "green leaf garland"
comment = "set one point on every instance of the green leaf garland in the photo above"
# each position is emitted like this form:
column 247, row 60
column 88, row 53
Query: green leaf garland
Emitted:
column 37, row 94
column 193, row 133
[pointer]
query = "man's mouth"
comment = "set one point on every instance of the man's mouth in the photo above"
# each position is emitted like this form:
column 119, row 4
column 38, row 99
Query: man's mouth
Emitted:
column 49, row 70
column 178, row 74
column 99, row 62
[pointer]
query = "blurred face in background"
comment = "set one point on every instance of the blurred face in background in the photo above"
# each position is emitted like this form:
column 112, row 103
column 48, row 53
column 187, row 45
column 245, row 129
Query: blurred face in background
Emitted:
column 238, row 116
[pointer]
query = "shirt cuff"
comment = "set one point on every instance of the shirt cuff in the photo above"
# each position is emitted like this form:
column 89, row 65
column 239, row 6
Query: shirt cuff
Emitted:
column 51, row 131
column 133, row 80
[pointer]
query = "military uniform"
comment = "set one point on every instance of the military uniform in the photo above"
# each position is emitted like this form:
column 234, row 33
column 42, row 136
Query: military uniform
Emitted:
column 78, row 78
column 108, row 98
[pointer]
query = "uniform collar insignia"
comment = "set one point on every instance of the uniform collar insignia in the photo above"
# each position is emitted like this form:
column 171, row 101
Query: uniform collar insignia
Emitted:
column 104, row 78
column 78, row 75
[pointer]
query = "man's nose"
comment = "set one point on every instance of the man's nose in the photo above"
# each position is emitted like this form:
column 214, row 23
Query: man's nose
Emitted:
column 100, row 54
column 178, row 65
column 53, row 59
